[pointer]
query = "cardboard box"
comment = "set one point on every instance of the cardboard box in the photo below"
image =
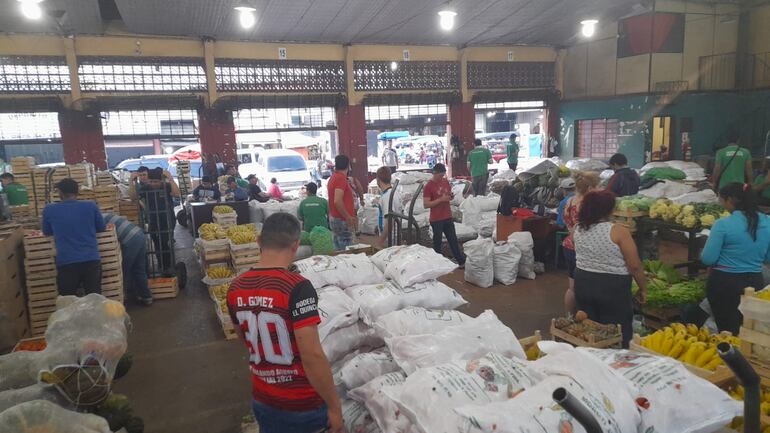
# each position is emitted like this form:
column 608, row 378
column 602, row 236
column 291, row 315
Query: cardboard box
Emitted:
column 11, row 252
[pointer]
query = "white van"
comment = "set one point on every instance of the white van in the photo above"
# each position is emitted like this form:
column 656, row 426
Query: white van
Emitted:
column 287, row 166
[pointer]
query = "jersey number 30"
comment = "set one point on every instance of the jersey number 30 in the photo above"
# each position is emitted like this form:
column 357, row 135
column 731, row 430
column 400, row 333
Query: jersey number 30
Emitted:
column 258, row 327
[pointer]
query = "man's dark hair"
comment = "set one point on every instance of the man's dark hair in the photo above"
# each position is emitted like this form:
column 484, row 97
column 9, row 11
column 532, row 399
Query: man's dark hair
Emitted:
column 206, row 179
column 311, row 188
column 68, row 186
column 155, row 174
column 477, row 142
column 230, row 180
column 279, row 231
column 384, row 175
column 7, row 176
column 439, row 168
column 513, row 136
column 341, row 162
column 142, row 169
column 228, row 167
column 273, row 180
column 733, row 135
column 619, row 159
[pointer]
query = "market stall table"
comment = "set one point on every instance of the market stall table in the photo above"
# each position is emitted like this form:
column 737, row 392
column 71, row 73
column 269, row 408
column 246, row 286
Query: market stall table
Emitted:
column 201, row 212
column 646, row 225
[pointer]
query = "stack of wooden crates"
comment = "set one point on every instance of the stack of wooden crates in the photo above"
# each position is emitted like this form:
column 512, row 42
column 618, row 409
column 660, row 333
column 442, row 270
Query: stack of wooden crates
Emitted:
column 14, row 323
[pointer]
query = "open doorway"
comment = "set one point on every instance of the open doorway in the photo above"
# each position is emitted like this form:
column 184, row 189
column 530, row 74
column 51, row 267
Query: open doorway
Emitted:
column 662, row 137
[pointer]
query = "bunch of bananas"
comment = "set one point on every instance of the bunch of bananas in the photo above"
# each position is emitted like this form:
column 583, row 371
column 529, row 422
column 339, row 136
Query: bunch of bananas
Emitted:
column 220, row 291
column 689, row 344
column 533, row 353
column 737, row 424
column 764, row 294
column 223, row 209
column 736, row 392
column 219, row 272
column 211, row 231
column 222, row 305
column 241, row 238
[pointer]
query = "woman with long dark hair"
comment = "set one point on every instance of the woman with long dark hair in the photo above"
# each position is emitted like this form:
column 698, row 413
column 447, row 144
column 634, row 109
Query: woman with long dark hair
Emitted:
column 606, row 259
column 736, row 249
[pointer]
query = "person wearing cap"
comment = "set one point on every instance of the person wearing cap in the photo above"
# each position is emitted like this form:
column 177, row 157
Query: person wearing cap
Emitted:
column 255, row 192
column 206, row 191
column 73, row 224
column 568, row 187
column 236, row 192
column 436, row 196
column 313, row 211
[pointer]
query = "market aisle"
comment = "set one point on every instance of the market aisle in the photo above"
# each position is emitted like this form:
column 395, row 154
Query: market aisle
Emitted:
column 187, row 378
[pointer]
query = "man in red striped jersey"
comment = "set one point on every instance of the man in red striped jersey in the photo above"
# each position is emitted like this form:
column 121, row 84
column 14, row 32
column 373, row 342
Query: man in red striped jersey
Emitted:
column 276, row 314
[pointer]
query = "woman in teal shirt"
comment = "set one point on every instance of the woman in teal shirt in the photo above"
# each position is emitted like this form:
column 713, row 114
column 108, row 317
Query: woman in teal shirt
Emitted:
column 736, row 249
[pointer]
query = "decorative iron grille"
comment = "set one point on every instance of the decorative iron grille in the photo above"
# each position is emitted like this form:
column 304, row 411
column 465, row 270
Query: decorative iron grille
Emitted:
column 511, row 75
column 235, row 75
column 34, row 75
column 147, row 74
column 412, row 75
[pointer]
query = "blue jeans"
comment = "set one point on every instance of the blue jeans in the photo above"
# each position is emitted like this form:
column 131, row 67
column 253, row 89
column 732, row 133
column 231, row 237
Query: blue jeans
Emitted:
column 272, row 420
column 343, row 237
column 135, row 267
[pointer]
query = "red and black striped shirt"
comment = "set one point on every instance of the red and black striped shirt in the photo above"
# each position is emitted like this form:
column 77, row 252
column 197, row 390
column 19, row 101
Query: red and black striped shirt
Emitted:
column 268, row 305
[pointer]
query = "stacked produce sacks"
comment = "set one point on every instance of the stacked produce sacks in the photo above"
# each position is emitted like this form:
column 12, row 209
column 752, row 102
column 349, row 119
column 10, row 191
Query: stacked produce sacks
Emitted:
column 404, row 361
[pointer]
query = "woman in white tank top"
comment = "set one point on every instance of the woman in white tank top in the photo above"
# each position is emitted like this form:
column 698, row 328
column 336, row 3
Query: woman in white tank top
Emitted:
column 606, row 259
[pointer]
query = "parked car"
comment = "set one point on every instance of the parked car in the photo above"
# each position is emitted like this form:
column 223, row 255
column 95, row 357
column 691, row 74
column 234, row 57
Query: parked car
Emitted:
column 149, row 161
column 287, row 166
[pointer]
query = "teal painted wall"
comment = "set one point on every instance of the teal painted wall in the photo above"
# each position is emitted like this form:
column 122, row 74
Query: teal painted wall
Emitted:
column 712, row 114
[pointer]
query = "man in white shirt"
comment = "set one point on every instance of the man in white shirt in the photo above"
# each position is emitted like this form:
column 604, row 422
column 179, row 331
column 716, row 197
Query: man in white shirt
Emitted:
column 390, row 158
column 383, row 182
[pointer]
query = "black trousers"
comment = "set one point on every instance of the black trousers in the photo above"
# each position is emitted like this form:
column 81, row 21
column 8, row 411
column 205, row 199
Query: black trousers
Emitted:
column 447, row 227
column 724, row 290
column 607, row 299
column 72, row 277
column 479, row 185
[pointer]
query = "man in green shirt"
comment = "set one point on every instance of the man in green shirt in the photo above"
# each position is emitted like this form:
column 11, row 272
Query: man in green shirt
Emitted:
column 762, row 186
column 478, row 164
column 733, row 163
column 233, row 172
column 313, row 211
column 512, row 152
column 16, row 192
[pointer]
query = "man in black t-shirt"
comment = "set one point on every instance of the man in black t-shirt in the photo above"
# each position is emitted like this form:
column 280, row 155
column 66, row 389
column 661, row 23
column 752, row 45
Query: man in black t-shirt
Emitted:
column 206, row 191
column 157, row 197
column 255, row 192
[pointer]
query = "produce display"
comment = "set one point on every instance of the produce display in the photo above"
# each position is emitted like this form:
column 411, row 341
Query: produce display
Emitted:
column 220, row 294
column 212, row 231
column 634, row 203
column 242, row 234
column 223, row 209
column 689, row 344
column 667, row 287
column 219, row 272
column 691, row 216
column 737, row 392
column 578, row 326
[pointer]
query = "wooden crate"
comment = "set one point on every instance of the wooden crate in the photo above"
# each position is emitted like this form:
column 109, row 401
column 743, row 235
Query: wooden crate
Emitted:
column 227, row 324
column 163, row 288
column 659, row 318
column 557, row 333
column 721, row 375
column 754, row 336
column 244, row 257
column 225, row 219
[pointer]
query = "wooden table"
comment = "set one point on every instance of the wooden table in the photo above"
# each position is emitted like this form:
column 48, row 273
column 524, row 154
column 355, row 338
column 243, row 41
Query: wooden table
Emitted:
column 201, row 213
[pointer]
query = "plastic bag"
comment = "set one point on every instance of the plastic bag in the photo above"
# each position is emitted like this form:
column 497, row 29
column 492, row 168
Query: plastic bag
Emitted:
column 336, row 310
column 678, row 401
column 413, row 264
column 506, row 258
column 479, row 266
column 381, row 407
column 429, row 396
column 43, row 416
column 523, row 241
column 321, row 241
column 357, row 419
column 472, row 339
column 378, row 299
column 417, row 320
column 344, row 270
column 341, row 342
column 365, row 367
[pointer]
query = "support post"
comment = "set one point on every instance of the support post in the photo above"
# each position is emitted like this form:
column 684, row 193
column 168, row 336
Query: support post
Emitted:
column 217, row 136
column 82, row 138
column 351, row 130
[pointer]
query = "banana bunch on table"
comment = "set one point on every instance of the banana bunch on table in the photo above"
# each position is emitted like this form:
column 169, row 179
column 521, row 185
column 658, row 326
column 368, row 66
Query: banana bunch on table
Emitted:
column 689, row 344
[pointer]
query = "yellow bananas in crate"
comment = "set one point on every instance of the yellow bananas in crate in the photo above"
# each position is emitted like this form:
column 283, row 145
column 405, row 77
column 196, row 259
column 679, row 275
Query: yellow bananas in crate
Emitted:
column 211, row 231
column 243, row 238
column 219, row 272
column 689, row 344
column 220, row 291
column 223, row 209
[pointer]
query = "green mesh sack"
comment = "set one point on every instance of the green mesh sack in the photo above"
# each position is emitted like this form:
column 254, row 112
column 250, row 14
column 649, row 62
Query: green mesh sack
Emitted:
column 321, row 241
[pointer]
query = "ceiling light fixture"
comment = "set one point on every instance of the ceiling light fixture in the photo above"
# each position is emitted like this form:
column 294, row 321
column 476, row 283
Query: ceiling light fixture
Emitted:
column 31, row 9
column 588, row 27
column 447, row 19
column 393, row 66
column 246, row 14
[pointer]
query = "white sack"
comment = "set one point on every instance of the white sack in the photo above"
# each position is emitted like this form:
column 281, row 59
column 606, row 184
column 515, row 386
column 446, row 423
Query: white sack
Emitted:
column 606, row 174
column 43, row 416
column 667, row 188
column 269, row 208
column 484, row 223
column 290, row 207
column 256, row 212
column 341, row 342
column 413, row 264
column 369, row 220
column 679, row 401
column 365, row 367
column 457, row 190
column 337, row 310
column 303, row 252
column 472, row 339
column 344, row 270
column 704, row 196
column 464, row 232
column 523, row 241
column 474, row 205
column 378, row 299
column 381, row 407
column 506, row 259
column 357, row 419
column 479, row 265
column 417, row 320
column 586, row 164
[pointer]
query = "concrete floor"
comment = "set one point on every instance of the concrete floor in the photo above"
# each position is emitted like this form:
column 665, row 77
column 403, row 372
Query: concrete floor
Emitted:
column 187, row 378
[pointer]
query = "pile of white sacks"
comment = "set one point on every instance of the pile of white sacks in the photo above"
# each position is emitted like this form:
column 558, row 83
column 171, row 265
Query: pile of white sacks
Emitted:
column 404, row 361
column 489, row 261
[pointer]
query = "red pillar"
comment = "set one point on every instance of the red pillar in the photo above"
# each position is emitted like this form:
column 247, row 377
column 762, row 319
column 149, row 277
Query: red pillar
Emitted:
column 462, row 123
column 82, row 138
column 217, row 137
column 351, row 134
